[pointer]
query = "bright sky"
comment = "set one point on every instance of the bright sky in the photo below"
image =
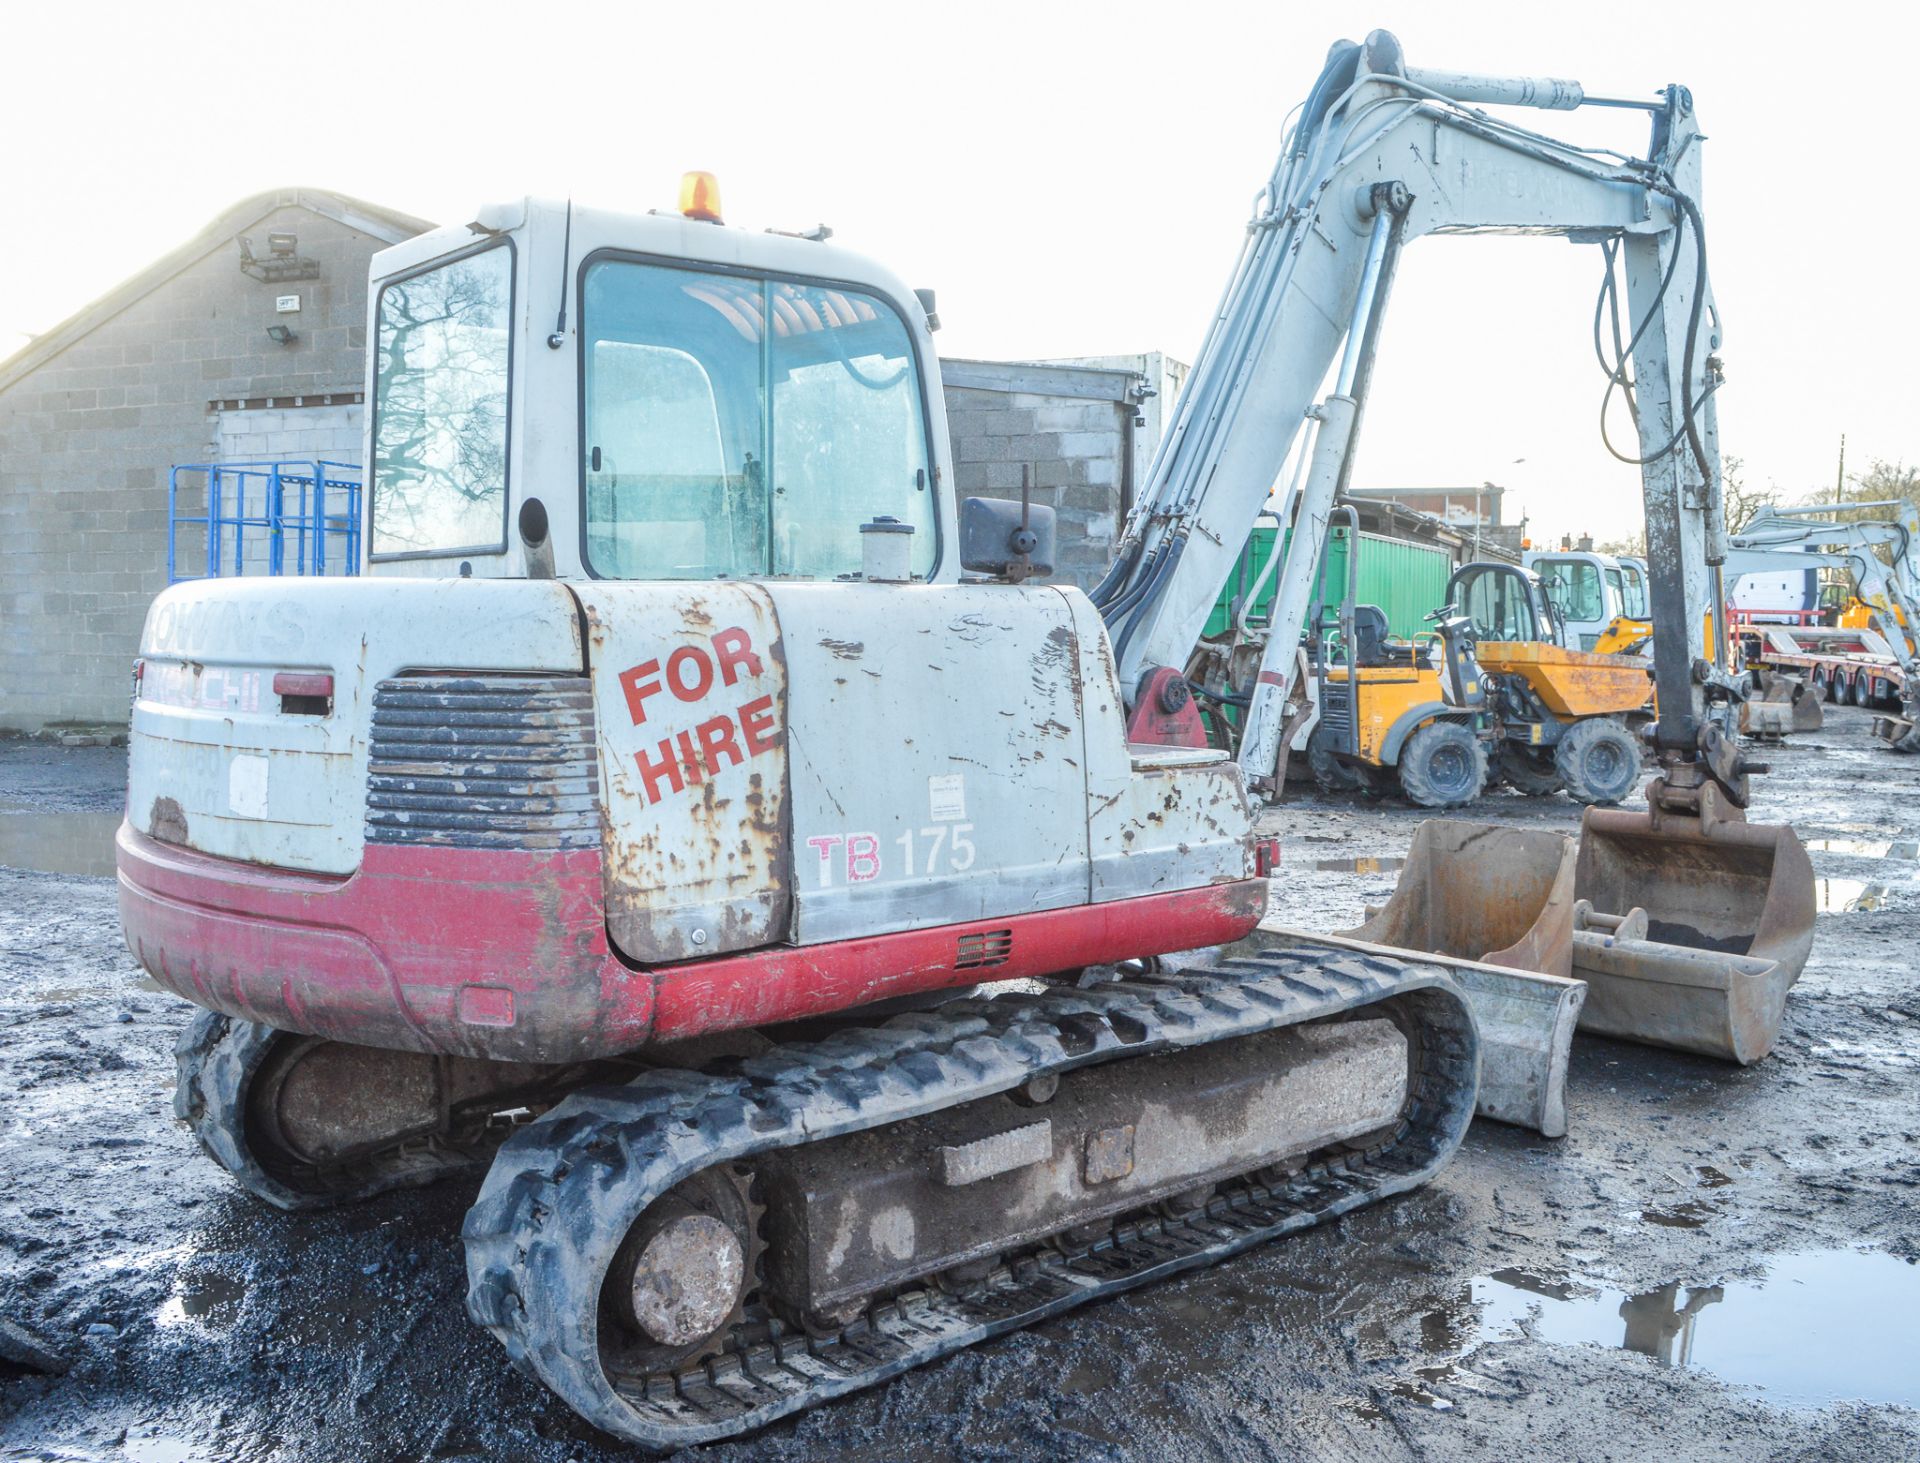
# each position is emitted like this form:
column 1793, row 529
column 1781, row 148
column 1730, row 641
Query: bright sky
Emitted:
column 1072, row 179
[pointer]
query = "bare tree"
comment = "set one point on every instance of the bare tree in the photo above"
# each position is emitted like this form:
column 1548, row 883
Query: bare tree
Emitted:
column 1881, row 480
column 1633, row 546
column 1741, row 502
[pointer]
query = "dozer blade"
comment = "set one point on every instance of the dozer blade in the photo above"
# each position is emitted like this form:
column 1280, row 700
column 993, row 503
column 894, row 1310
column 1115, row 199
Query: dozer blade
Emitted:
column 1526, row 1021
column 1689, row 932
column 1494, row 907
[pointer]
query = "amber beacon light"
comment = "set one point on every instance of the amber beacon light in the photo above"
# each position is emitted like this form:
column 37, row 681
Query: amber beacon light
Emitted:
column 700, row 196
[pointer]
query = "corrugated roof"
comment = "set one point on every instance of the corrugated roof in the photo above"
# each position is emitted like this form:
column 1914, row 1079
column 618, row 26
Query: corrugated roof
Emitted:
column 387, row 224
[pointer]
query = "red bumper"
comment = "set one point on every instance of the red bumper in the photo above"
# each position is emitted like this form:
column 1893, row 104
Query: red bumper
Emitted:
column 504, row 954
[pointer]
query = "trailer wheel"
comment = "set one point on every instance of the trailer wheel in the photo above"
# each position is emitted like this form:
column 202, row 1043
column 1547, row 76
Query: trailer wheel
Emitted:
column 1860, row 689
column 1443, row 765
column 1331, row 774
column 1822, row 679
column 1599, row 761
column 1531, row 772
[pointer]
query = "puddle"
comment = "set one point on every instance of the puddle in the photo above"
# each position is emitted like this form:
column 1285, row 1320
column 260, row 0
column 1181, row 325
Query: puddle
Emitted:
column 1904, row 849
column 57, row 843
column 1824, row 1326
column 152, row 1447
column 1843, row 896
column 1358, row 865
column 213, row 1299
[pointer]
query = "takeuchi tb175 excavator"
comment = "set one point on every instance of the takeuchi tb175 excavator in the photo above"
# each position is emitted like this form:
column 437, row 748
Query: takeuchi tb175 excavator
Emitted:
column 681, row 715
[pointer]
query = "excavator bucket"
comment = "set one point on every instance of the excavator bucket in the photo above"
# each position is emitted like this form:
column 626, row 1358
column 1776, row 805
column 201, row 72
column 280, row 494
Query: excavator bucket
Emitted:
column 1494, row 906
column 1690, row 931
column 1783, row 704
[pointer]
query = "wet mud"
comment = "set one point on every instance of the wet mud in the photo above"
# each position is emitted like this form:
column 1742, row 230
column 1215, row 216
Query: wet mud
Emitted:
column 1716, row 1263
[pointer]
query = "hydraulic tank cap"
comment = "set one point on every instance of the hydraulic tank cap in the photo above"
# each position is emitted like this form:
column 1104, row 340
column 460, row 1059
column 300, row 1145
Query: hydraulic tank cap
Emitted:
column 886, row 551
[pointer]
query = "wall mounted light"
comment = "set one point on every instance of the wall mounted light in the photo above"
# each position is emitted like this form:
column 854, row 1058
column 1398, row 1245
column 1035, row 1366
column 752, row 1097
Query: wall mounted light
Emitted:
column 280, row 335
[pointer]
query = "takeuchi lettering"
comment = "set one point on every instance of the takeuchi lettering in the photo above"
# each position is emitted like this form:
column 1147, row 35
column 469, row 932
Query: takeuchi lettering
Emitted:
column 691, row 674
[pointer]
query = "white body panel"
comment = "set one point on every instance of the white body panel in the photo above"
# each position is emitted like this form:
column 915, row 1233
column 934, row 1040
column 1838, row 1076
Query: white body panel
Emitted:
column 1791, row 593
column 213, row 760
column 938, row 758
column 1585, row 619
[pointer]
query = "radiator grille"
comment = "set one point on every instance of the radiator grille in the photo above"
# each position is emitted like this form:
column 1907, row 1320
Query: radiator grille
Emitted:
column 1336, row 708
column 989, row 947
column 484, row 762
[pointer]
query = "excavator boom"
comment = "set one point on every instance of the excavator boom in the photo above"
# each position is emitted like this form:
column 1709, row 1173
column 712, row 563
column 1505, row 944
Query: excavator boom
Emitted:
column 1382, row 154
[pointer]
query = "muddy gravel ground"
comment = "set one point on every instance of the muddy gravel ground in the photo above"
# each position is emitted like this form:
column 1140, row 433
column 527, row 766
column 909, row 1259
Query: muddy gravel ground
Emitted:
column 1710, row 1266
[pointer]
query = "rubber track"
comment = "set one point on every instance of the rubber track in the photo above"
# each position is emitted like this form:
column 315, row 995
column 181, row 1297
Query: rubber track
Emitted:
column 215, row 1059
column 564, row 1190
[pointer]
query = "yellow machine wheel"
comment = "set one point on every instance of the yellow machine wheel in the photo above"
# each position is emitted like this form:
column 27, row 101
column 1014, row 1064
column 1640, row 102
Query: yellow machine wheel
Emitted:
column 1598, row 760
column 1443, row 765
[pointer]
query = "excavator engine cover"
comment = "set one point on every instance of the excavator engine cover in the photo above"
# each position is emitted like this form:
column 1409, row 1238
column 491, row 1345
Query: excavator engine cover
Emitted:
column 1689, row 932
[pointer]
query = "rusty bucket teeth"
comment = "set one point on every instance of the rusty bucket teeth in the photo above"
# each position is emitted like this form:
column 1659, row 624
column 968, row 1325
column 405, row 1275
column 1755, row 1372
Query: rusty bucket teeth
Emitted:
column 1690, row 933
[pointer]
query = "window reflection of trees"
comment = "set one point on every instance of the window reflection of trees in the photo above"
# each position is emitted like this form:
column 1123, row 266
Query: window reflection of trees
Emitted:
column 441, row 407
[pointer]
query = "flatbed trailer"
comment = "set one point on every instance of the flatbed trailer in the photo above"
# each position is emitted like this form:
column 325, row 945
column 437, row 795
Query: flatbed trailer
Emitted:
column 1858, row 667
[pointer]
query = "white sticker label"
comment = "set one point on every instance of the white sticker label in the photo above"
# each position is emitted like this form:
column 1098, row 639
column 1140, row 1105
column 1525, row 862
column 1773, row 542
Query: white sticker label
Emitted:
column 947, row 797
column 247, row 786
column 287, row 304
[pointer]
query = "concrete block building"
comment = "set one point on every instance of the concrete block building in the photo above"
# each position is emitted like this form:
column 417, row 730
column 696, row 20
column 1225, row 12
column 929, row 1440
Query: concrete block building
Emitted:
column 1082, row 433
column 248, row 341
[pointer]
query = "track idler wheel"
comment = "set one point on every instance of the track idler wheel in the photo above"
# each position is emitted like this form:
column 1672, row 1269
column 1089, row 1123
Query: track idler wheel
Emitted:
column 679, row 1282
column 305, row 1123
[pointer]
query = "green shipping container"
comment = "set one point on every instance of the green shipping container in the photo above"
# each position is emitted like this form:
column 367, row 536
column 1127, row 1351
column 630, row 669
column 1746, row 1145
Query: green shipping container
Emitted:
column 1407, row 580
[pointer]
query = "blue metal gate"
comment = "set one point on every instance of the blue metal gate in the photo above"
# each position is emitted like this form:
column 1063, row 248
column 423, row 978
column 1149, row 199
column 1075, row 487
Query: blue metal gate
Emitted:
column 294, row 517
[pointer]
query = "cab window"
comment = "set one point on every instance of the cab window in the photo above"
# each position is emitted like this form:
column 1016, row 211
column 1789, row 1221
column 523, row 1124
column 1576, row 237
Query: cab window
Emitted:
column 1573, row 586
column 738, row 426
column 1634, row 591
column 1496, row 601
column 441, row 364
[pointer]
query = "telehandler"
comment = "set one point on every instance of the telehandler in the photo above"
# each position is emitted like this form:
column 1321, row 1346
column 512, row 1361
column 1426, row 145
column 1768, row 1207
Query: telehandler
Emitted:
column 681, row 714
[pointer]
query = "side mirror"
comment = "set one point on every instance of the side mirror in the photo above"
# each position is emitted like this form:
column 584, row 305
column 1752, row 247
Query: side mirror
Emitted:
column 1007, row 540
